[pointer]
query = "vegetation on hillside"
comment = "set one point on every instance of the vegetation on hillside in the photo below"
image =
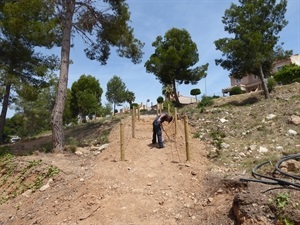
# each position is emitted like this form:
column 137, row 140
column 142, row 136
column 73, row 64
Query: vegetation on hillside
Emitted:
column 254, row 27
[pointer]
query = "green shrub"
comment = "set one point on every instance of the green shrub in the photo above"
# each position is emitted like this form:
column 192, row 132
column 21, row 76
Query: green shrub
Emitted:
column 271, row 83
column 70, row 148
column 136, row 105
column 206, row 101
column 170, row 104
column 236, row 91
column 288, row 74
column 217, row 136
column 296, row 80
column 4, row 150
column 196, row 135
column 47, row 147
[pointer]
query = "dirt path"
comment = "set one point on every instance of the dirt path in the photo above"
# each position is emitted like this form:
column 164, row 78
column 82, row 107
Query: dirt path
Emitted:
column 152, row 186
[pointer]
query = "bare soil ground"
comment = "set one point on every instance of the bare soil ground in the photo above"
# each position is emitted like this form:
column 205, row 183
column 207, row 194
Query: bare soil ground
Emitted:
column 159, row 186
column 152, row 186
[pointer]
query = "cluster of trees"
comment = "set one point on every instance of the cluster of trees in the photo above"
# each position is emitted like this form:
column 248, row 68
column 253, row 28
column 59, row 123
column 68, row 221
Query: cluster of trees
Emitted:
column 27, row 24
column 288, row 74
column 254, row 27
column 32, row 115
column 83, row 99
column 27, row 76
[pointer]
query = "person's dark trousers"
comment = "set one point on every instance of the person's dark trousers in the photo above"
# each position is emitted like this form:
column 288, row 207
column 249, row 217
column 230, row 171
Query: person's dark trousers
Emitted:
column 157, row 132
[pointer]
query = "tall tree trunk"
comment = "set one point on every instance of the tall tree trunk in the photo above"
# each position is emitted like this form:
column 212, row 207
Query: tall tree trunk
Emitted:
column 4, row 111
column 57, row 113
column 263, row 83
column 175, row 93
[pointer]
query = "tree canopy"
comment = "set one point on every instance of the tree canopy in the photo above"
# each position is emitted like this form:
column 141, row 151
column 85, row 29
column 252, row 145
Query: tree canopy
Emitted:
column 86, row 96
column 46, row 23
column 168, row 91
column 116, row 92
column 22, row 69
column 32, row 110
column 254, row 26
column 130, row 97
column 172, row 61
column 195, row 92
column 101, row 26
column 160, row 99
column 32, row 21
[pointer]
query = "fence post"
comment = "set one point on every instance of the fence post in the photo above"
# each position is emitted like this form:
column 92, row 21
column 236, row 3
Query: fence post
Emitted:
column 138, row 113
column 133, row 122
column 175, row 117
column 187, row 144
column 122, row 141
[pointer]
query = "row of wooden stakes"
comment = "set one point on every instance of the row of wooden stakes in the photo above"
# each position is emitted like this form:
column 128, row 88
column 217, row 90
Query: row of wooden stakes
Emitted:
column 133, row 116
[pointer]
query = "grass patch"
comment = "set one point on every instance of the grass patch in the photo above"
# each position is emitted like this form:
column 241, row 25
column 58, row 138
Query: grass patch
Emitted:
column 18, row 176
column 295, row 97
column 5, row 150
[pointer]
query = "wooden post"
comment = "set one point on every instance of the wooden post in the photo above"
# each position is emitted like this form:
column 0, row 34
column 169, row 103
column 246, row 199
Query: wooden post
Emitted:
column 160, row 108
column 133, row 122
column 187, row 144
column 122, row 141
column 138, row 113
column 175, row 117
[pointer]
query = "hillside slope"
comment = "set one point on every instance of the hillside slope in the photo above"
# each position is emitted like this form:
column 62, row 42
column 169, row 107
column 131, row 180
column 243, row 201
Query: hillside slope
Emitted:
column 158, row 186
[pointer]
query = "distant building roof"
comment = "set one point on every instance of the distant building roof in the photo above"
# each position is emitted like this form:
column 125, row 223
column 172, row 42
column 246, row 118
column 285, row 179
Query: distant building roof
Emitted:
column 186, row 100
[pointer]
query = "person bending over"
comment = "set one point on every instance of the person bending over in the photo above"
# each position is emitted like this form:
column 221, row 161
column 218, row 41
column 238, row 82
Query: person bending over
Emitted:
column 158, row 126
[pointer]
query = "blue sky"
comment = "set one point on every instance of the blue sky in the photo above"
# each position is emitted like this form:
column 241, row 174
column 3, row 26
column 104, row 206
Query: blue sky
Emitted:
column 151, row 18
